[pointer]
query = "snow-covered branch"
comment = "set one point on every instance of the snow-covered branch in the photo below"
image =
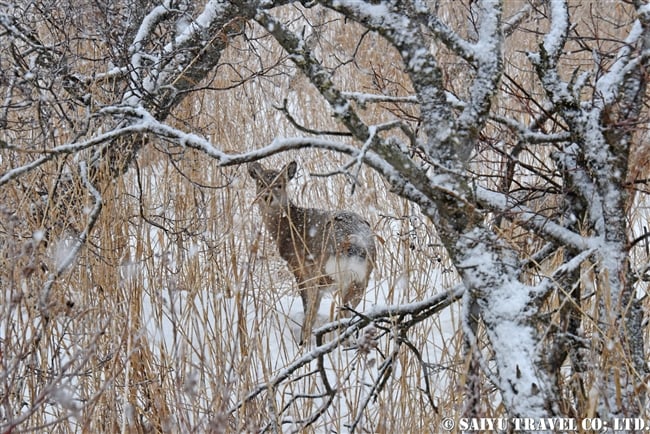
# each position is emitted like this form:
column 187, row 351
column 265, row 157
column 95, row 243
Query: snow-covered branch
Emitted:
column 451, row 39
column 70, row 148
column 528, row 218
column 140, row 82
column 366, row 98
column 555, row 39
column 513, row 22
column 529, row 136
column 489, row 64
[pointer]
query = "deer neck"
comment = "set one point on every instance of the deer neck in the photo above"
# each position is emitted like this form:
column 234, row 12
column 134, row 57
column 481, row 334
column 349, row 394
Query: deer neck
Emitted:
column 284, row 222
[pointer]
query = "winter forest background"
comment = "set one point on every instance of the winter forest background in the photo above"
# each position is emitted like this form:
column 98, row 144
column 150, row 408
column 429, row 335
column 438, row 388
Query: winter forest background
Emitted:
column 499, row 150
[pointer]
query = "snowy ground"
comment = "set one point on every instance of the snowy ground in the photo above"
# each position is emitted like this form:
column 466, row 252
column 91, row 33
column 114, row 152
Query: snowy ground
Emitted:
column 273, row 332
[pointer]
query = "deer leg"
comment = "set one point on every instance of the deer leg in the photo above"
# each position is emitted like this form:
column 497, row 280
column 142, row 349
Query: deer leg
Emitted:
column 311, row 297
column 351, row 297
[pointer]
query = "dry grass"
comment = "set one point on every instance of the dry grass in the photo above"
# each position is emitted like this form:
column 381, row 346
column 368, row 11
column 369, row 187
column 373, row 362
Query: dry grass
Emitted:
column 179, row 306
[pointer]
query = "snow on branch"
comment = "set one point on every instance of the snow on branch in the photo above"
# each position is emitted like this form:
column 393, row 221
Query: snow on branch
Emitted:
column 69, row 148
column 489, row 64
column 549, row 282
column 526, row 134
column 540, row 224
column 144, row 121
column 368, row 98
column 555, row 39
column 549, row 53
column 578, row 179
column 608, row 85
column 144, row 33
column 147, row 26
column 365, row 98
column 512, row 23
column 451, row 39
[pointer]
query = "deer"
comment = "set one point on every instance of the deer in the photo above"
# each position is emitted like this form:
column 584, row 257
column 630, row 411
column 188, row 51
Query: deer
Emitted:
column 325, row 250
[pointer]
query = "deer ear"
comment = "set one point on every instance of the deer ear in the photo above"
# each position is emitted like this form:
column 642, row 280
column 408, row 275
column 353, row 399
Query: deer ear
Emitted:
column 255, row 170
column 290, row 169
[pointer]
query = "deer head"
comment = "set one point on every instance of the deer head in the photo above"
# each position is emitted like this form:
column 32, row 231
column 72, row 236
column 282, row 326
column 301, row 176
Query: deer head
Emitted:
column 272, row 184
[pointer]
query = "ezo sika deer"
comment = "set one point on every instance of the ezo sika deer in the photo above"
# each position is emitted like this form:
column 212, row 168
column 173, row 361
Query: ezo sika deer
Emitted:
column 325, row 250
